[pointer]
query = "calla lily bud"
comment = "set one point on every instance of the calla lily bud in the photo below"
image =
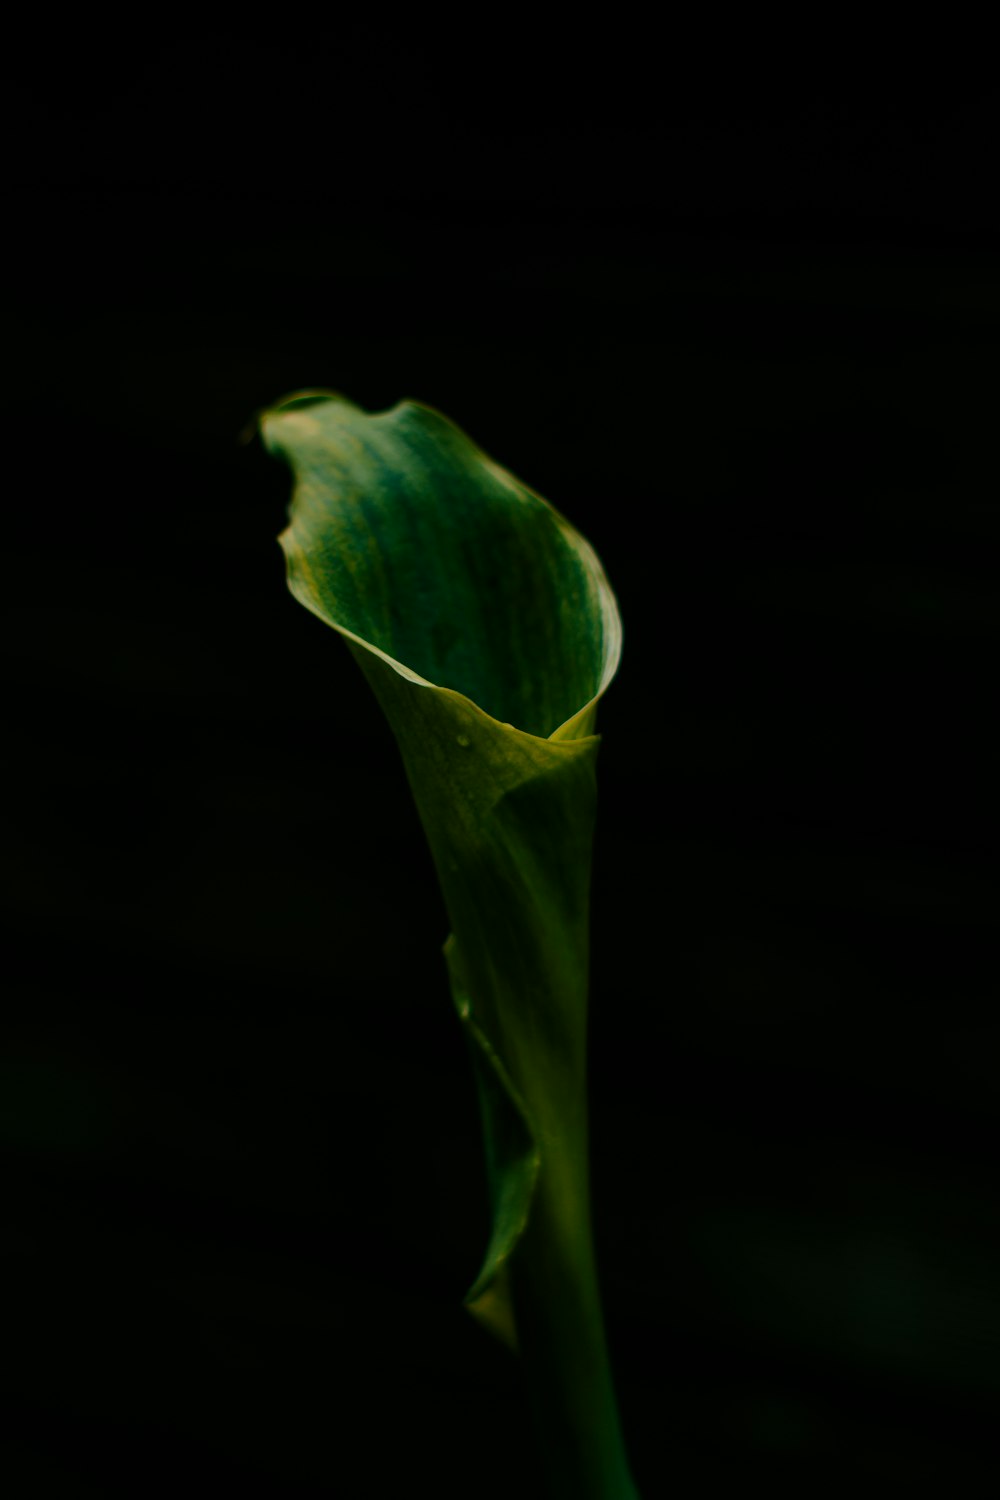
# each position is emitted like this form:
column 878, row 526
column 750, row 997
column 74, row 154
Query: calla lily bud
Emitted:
column 488, row 631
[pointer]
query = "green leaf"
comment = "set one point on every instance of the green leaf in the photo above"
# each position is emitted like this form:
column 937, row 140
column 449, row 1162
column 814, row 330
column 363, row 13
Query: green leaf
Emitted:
column 488, row 631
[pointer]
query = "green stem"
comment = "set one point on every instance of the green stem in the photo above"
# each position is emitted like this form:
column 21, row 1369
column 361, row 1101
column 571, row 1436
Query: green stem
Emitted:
column 509, row 820
column 561, row 1335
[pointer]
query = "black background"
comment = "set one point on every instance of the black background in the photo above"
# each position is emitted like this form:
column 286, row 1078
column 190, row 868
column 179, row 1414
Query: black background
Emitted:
column 749, row 346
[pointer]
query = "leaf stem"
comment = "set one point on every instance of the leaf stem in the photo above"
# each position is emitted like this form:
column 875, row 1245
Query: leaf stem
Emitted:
column 561, row 1334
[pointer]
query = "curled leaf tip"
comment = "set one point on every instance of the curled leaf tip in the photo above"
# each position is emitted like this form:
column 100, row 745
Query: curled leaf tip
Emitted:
column 413, row 543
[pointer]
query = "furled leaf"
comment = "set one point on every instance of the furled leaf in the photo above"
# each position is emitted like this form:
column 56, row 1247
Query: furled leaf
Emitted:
column 488, row 631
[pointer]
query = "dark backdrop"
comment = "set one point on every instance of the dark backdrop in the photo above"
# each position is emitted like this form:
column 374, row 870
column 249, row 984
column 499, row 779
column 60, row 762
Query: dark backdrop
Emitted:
column 750, row 349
